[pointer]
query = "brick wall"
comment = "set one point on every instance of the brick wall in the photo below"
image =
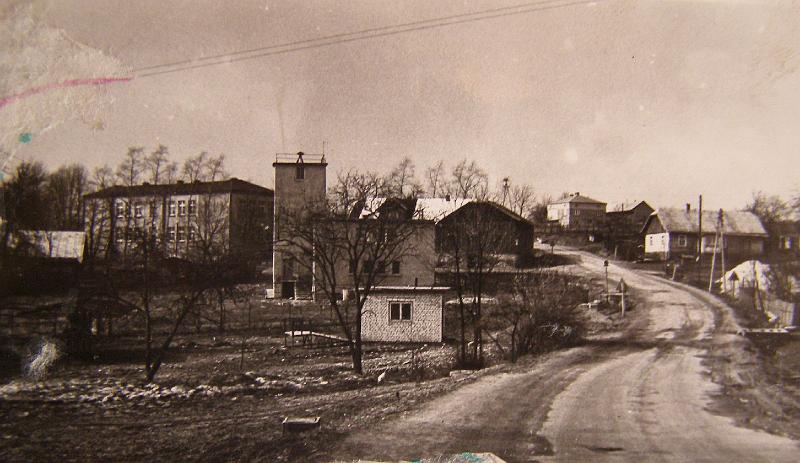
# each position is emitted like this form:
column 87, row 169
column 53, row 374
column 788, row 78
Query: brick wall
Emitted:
column 425, row 324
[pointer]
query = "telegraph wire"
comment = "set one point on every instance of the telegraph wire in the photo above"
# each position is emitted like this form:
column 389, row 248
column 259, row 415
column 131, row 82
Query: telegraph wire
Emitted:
column 365, row 34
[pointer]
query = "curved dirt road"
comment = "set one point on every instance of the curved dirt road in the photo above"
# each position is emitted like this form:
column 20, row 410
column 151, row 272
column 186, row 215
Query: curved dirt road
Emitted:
column 642, row 398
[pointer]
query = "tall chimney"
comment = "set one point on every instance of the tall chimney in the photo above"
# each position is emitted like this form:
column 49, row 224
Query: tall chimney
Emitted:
column 688, row 207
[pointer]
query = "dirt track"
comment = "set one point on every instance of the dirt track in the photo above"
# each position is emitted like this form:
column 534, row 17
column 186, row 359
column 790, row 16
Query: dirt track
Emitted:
column 643, row 397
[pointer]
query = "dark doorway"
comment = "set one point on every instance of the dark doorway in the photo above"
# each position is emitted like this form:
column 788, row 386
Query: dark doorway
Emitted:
column 287, row 289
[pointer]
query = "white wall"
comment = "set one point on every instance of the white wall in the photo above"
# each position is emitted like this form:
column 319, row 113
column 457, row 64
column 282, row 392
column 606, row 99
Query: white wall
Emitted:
column 425, row 324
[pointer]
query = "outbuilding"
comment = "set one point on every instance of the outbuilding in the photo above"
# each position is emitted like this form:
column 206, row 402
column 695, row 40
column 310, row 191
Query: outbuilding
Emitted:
column 404, row 314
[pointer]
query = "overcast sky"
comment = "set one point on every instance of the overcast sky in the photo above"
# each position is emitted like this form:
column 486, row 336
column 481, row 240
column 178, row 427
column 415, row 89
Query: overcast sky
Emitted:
column 619, row 100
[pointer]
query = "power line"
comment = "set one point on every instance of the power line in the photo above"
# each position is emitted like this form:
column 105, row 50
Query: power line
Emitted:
column 365, row 34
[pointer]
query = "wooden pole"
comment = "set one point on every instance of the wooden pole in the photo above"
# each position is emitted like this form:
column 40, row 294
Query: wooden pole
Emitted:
column 623, row 303
column 713, row 262
column 722, row 250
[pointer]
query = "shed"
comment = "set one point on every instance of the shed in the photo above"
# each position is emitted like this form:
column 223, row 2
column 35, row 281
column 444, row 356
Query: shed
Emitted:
column 404, row 314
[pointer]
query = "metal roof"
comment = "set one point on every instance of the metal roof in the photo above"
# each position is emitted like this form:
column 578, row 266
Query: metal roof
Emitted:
column 577, row 198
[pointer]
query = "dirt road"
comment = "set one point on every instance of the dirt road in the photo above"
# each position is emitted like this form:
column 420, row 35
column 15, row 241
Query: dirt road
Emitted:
column 642, row 397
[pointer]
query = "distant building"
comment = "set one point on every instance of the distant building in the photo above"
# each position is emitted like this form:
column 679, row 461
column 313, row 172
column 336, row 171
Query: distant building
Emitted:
column 233, row 215
column 784, row 237
column 577, row 213
column 673, row 233
column 445, row 213
column 623, row 229
column 46, row 244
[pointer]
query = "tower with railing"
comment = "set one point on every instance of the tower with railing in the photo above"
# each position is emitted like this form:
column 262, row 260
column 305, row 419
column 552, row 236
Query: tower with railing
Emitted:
column 300, row 181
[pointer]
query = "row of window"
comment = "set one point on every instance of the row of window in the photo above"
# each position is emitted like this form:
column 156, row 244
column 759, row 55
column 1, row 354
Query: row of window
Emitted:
column 380, row 267
column 181, row 234
column 180, row 208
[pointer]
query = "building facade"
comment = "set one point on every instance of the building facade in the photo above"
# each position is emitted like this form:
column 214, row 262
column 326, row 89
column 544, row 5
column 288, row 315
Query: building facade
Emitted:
column 232, row 216
column 675, row 233
column 404, row 314
column 577, row 213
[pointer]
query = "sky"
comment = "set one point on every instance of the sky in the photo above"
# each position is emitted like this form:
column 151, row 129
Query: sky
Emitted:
column 619, row 100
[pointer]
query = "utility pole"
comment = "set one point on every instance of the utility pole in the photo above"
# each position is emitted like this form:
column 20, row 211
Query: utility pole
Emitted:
column 699, row 228
column 505, row 191
column 722, row 251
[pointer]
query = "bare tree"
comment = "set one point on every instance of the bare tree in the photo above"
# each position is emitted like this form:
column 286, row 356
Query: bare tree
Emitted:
column 522, row 200
column 344, row 250
column 539, row 210
column 540, row 312
column 215, row 168
column 435, row 177
column 470, row 248
column 156, row 164
column 402, row 182
column 468, row 180
column 193, row 167
column 170, row 173
column 65, row 189
column 768, row 208
column 130, row 169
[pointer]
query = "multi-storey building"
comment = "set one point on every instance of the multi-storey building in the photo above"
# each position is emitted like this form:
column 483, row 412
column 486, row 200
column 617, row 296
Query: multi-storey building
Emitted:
column 577, row 213
column 232, row 216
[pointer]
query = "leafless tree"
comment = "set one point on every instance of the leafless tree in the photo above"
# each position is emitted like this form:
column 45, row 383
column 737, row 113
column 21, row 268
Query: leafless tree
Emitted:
column 130, row 169
column 194, row 166
column 156, row 164
column 65, row 189
column 345, row 251
column 768, row 208
column 540, row 312
column 435, row 177
column 470, row 249
column 215, row 168
column 468, row 180
column 522, row 200
column 401, row 182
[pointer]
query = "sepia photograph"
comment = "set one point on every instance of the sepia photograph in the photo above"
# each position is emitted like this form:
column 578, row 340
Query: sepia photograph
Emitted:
column 387, row 231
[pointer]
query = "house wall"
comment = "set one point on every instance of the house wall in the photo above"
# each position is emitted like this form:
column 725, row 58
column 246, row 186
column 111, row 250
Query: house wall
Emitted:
column 656, row 244
column 417, row 265
column 425, row 324
column 577, row 216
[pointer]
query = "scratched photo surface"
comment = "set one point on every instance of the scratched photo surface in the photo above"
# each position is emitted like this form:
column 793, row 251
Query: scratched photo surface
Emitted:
column 484, row 230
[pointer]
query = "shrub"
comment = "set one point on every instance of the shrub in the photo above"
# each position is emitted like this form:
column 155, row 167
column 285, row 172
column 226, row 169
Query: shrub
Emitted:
column 43, row 356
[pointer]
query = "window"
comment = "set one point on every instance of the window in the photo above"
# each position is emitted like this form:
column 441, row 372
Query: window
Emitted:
column 192, row 233
column 181, row 208
column 192, row 207
column 399, row 311
column 367, row 266
column 171, row 235
column 396, row 267
column 120, row 234
column 682, row 241
column 129, row 234
column 137, row 210
column 381, row 267
column 120, row 210
column 352, row 268
column 172, row 209
column 651, row 241
column 300, row 172
column 181, row 234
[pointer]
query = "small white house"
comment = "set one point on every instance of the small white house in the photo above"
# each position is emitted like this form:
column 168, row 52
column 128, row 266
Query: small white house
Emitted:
column 404, row 314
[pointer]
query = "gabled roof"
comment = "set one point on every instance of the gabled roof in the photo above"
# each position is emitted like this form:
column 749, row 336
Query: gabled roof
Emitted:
column 680, row 220
column 433, row 209
column 627, row 207
column 232, row 185
column 577, row 198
